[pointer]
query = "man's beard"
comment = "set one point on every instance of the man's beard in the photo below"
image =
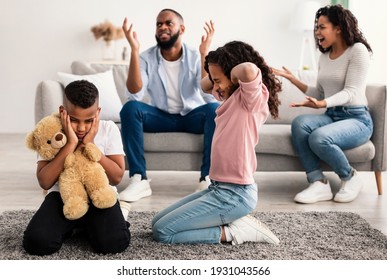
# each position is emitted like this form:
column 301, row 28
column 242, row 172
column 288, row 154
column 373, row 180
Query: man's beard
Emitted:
column 166, row 45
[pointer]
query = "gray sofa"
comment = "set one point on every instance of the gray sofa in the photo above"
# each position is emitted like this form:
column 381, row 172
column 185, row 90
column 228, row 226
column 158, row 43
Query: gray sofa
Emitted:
column 183, row 151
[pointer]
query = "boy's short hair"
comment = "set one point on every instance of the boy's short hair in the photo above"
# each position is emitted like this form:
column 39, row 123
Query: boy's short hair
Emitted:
column 81, row 93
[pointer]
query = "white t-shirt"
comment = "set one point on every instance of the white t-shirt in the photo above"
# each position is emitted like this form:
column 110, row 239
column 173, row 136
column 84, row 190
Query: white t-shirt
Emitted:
column 108, row 140
column 172, row 69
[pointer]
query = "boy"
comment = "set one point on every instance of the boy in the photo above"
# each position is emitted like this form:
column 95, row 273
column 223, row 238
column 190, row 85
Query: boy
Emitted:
column 106, row 229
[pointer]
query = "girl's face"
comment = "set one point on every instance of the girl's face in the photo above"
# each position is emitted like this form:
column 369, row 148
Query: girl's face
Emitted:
column 223, row 87
column 326, row 33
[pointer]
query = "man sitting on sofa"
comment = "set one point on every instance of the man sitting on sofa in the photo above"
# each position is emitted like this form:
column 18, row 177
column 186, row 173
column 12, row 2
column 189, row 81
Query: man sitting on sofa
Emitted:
column 170, row 74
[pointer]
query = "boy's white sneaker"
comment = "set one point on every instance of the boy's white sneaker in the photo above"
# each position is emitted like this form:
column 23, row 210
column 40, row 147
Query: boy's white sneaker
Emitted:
column 136, row 190
column 349, row 189
column 203, row 184
column 317, row 191
column 250, row 229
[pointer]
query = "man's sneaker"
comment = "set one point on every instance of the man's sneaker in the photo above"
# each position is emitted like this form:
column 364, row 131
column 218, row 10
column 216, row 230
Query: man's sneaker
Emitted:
column 349, row 189
column 317, row 191
column 136, row 190
column 250, row 229
column 125, row 208
column 203, row 184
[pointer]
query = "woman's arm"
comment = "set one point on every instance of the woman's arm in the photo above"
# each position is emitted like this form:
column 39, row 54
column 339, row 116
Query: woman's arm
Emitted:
column 289, row 75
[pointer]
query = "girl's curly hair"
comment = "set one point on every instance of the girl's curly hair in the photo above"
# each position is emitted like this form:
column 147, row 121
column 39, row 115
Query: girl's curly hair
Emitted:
column 347, row 22
column 237, row 52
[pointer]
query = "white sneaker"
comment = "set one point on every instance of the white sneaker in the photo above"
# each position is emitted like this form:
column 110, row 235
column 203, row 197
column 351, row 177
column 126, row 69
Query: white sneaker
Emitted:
column 317, row 191
column 136, row 190
column 203, row 184
column 251, row 229
column 125, row 208
column 349, row 189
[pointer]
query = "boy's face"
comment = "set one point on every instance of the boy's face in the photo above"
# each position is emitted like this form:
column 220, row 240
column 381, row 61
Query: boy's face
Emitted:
column 81, row 119
column 223, row 87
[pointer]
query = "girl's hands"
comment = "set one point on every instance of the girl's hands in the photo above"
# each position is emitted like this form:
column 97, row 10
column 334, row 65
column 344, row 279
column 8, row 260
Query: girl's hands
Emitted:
column 311, row 103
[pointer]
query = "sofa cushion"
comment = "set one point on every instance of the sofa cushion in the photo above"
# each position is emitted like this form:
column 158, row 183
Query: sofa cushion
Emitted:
column 276, row 139
column 120, row 73
column 109, row 100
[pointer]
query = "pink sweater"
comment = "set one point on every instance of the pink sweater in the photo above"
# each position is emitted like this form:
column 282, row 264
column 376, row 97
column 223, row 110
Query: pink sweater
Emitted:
column 238, row 120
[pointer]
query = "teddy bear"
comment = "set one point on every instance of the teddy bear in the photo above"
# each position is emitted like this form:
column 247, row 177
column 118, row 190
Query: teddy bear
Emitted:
column 82, row 178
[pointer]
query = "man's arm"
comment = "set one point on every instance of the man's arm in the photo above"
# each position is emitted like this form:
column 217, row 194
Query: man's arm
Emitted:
column 205, row 45
column 133, row 81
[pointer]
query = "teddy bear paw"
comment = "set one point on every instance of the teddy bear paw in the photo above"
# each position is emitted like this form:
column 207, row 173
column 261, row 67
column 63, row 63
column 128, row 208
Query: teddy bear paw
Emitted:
column 104, row 198
column 75, row 208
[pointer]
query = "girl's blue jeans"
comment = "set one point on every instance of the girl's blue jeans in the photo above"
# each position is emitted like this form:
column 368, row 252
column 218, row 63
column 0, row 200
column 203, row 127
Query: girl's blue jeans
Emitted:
column 198, row 217
column 325, row 137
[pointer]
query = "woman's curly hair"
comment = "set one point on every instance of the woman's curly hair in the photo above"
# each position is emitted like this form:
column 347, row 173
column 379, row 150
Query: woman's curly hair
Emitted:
column 237, row 52
column 346, row 21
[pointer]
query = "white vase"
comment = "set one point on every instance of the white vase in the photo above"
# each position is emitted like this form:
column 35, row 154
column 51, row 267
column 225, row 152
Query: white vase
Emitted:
column 109, row 50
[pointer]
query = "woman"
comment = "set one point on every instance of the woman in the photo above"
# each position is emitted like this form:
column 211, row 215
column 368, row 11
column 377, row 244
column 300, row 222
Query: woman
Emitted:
column 341, row 85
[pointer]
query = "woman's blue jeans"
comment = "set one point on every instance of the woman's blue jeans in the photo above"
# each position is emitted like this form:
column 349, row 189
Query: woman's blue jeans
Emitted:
column 138, row 117
column 324, row 137
column 197, row 217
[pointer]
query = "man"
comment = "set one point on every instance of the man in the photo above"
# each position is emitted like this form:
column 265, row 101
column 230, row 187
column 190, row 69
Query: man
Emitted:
column 170, row 73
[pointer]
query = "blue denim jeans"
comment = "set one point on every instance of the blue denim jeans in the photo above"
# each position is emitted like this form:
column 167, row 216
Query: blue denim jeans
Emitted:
column 324, row 137
column 138, row 117
column 197, row 217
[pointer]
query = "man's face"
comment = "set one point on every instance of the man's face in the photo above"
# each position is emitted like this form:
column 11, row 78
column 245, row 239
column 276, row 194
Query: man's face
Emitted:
column 168, row 29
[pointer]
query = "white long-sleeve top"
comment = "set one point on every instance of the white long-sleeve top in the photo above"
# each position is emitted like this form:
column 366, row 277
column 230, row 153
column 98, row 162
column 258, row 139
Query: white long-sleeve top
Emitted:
column 342, row 81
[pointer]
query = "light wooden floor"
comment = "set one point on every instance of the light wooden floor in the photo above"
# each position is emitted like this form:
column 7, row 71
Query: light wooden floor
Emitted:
column 19, row 188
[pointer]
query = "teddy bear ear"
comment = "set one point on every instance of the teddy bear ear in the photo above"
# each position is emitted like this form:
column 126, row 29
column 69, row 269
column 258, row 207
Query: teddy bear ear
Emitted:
column 30, row 141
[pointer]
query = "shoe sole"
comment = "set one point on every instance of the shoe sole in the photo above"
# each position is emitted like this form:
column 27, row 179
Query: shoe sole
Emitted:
column 136, row 197
column 268, row 236
column 318, row 199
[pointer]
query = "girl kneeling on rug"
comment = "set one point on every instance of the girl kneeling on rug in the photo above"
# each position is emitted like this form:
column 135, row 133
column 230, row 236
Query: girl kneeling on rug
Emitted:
column 240, row 78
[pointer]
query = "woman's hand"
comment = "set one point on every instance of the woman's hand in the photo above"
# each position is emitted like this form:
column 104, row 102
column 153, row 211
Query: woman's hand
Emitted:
column 311, row 103
column 286, row 73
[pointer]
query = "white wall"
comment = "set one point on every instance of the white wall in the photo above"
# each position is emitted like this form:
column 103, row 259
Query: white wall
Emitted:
column 41, row 37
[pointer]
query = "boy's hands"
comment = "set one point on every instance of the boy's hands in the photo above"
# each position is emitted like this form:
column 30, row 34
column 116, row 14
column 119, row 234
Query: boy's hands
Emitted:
column 72, row 138
column 89, row 137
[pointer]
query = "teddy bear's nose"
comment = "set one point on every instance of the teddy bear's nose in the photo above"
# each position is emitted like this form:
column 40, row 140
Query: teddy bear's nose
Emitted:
column 59, row 137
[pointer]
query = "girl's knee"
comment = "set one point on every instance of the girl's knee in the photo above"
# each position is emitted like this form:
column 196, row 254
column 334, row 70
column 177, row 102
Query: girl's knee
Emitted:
column 159, row 235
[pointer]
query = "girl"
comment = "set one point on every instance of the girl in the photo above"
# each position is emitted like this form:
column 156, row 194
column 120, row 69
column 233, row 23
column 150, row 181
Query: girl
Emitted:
column 238, row 76
column 340, row 88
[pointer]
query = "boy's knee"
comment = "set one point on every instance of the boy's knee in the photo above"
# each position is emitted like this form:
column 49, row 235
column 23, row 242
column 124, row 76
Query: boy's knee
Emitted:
column 112, row 244
column 37, row 244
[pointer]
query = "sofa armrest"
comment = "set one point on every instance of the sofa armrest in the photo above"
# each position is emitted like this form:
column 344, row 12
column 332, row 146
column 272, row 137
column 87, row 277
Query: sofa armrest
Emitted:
column 377, row 103
column 48, row 98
